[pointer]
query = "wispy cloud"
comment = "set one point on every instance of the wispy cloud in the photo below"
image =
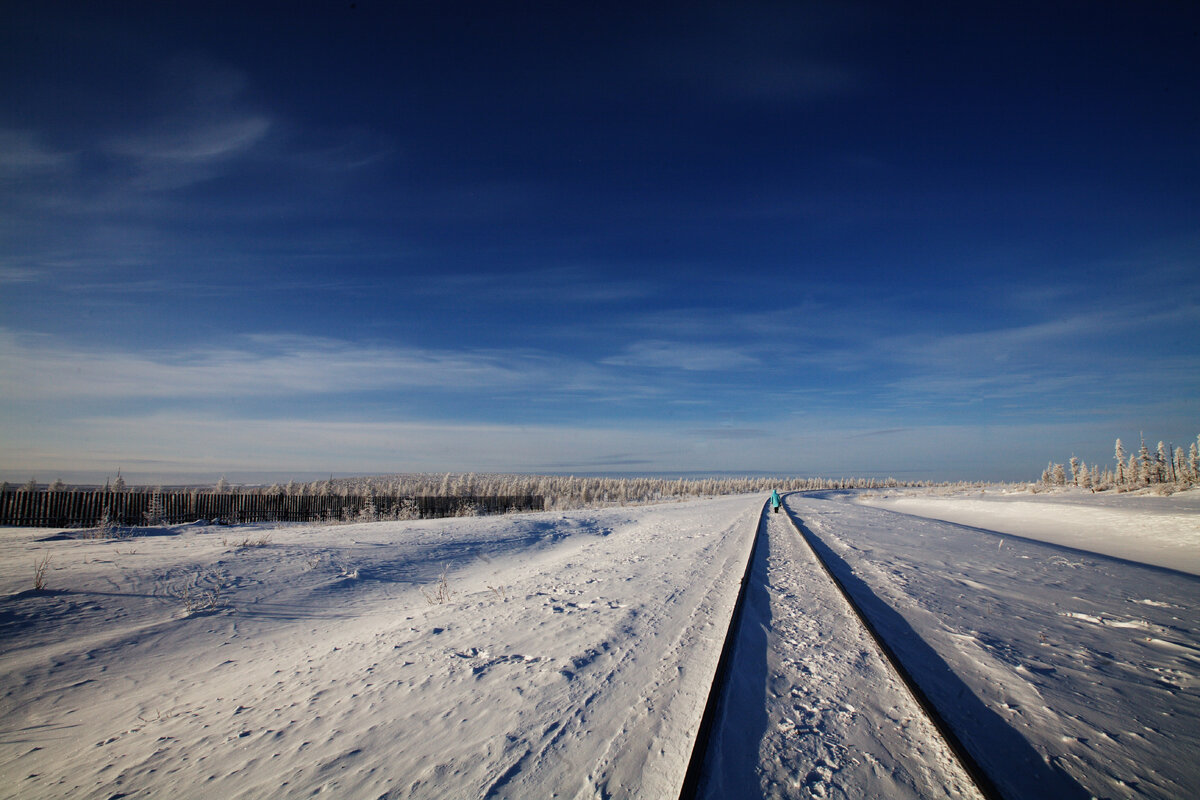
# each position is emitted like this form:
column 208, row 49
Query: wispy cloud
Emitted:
column 1013, row 345
column 547, row 285
column 193, row 140
column 259, row 367
column 195, row 442
column 22, row 152
column 887, row 432
column 659, row 354
column 733, row 433
column 153, row 447
column 345, row 150
column 203, row 122
column 18, row 274
column 254, row 366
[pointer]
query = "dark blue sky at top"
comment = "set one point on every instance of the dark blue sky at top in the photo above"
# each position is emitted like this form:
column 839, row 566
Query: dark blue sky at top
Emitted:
column 805, row 237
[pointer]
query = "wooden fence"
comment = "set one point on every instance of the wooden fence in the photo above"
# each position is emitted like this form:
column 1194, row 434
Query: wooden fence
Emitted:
column 86, row 508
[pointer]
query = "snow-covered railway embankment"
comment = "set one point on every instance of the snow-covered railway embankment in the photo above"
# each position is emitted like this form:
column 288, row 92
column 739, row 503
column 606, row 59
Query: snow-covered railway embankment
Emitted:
column 982, row 781
column 810, row 705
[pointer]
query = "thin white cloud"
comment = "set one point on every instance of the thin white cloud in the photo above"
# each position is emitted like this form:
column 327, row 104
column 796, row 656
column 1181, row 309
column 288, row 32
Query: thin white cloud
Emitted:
column 153, row 447
column 187, row 442
column 660, row 354
column 22, row 152
column 339, row 151
column 985, row 349
column 192, row 140
column 256, row 366
column 18, row 274
column 202, row 123
column 566, row 284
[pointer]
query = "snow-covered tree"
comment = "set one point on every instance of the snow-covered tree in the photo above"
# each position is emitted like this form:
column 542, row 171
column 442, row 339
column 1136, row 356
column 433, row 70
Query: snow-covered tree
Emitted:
column 1074, row 462
column 154, row 514
column 369, row 512
column 222, row 486
column 1120, row 457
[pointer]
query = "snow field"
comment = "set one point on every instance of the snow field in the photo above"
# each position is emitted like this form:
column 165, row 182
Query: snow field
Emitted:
column 813, row 709
column 1065, row 674
column 571, row 654
column 1163, row 531
column 572, row 657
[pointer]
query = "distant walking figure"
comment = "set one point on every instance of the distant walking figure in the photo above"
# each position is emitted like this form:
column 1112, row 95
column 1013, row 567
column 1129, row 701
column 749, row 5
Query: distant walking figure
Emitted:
column 774, row 501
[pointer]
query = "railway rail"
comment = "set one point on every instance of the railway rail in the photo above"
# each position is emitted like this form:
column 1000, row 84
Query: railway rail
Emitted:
column 720, row 689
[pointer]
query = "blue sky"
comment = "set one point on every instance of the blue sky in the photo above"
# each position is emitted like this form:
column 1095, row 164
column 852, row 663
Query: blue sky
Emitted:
column 937, row 240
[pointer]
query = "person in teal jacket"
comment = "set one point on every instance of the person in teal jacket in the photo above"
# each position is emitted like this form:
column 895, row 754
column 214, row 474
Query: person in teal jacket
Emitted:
column 775, row 501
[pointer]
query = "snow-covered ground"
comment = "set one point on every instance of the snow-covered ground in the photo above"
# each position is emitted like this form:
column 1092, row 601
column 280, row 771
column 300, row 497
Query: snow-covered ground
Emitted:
column 812, row 709
column 1067, row 674
column 570, row 654
column 1164, row 531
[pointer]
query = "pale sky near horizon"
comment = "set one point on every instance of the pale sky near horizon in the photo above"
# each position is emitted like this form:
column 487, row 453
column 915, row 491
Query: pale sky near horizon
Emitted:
column 930, row 240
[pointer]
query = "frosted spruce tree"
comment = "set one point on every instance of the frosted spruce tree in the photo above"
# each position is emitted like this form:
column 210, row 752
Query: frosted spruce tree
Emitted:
column 1162, row 465
column 1145, row 465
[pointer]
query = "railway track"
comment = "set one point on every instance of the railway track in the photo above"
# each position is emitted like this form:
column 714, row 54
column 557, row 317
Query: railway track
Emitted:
column 720, row 692
column 691, row 781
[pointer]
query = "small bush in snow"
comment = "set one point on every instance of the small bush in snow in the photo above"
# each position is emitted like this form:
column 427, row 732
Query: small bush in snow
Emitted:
column 39, row 574
column 248, row 542
column 196, row 599
column 441, row 592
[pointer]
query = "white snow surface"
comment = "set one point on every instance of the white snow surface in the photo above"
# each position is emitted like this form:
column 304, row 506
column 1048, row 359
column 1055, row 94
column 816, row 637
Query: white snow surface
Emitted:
column 1164, row 531
column 570, row 654
column 813, row 709
column 573, row 657
column 1065, row 674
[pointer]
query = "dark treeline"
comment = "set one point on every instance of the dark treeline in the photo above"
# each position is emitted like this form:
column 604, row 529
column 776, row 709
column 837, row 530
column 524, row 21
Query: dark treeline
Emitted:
column 566, row 492
column 109, row 508
column 403, row 496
